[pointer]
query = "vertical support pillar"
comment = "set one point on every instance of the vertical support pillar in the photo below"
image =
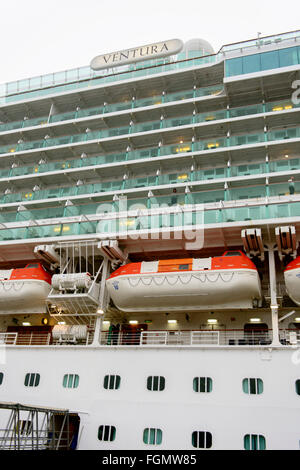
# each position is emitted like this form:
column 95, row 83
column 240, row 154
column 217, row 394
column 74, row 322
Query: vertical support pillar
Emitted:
column 101, row 302
column 273, row 295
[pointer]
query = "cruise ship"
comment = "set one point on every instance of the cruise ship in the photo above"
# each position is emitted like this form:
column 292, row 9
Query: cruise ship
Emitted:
column 149, row 250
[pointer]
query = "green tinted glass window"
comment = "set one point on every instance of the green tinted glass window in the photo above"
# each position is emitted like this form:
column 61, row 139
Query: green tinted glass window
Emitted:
column 254, row 442
column 112, row 382
column 32, row 380
column 253, row 386
column 201, row 439
column 71, row 381
column 152, row 436
column 202, row 384
column 155, row 383
column 106, row 433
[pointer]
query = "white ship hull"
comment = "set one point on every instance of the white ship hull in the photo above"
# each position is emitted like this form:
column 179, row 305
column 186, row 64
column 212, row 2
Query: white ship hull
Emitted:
column 227, row 412
column 292, row 283
column 177, row 291
column 23, row 296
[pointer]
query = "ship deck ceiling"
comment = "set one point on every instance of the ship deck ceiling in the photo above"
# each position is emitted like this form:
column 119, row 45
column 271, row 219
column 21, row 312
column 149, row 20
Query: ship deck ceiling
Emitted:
column 140, row 87
column 270, row 85
column 217, row 238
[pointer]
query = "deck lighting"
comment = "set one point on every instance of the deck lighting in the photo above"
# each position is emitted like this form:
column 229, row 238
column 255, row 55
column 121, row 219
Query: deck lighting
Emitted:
column 61, row 323
column 172, row 321
column 212, row 320
column 255, row 320
column 133, row 322
column 26, row 323
column 100, row 311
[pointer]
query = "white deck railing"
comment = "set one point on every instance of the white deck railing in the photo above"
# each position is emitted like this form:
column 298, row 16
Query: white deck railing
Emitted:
column 188, row 338
column 236, row 337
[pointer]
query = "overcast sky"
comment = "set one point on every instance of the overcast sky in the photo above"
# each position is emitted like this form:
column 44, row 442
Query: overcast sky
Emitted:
column 38, row 37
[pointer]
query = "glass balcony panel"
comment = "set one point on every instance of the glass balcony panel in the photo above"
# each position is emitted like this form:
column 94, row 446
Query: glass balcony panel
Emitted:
column 15, row 197
column 63, row 116
column 173, row 200
column 211, row 217
column 246, row 139
column 8, row 216
column 246, row 193
column 205, row 197
column 282, row 165
column 279, row 189
column 279, row 210
column 5, row 173
column 86, row 227
column 245, row 111
column 280, row 106
column 135, row 204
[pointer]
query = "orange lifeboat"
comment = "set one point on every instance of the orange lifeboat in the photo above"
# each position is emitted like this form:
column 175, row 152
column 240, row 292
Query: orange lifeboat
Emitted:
column 226, row 282
column 24, row 290
column 292, row 280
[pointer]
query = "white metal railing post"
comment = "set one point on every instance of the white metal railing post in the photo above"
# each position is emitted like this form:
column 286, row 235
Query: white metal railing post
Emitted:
column 141, row 337
column 273, row 294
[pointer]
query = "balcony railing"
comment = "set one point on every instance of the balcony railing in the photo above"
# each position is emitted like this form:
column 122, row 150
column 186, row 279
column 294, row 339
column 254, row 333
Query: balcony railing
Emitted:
column 25, row 339
column 161, row 338
column 187, row 338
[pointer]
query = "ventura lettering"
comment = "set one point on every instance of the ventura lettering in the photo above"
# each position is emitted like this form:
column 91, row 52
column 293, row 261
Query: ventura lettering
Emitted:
column 150, row 51
column 134, row 53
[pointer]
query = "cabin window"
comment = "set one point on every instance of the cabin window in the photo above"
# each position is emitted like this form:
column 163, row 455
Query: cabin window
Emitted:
column 32, row 380
column 202, row 384
column 254, row 442
column 152, row 436
column 32, row 266
column 155, row 383
column 201, row 439
column 106, row 433
column 253, row 386
column 112, row 382
column 1, row 377
column 71, row 381
column 233, row 253
column 297, row 383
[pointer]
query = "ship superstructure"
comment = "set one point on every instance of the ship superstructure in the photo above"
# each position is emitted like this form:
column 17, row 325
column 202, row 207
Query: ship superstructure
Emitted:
column 149, row 223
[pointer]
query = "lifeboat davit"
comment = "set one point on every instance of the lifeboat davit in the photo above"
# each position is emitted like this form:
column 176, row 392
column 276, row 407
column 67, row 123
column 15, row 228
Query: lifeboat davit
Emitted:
column 224, row 282
column 24, row 290
column 292, row 280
